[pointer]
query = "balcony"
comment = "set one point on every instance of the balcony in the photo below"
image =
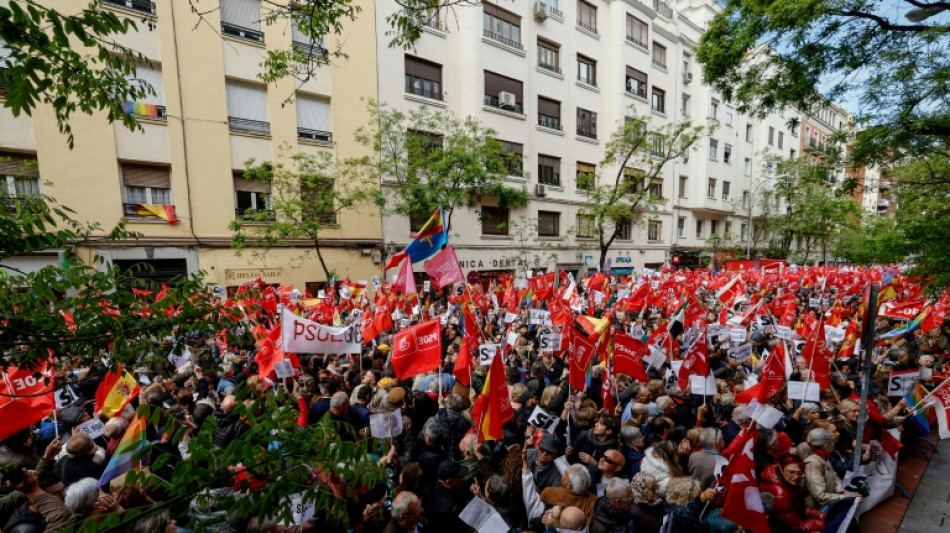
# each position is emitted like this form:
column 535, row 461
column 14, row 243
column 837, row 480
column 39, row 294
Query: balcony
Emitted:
column 503, row 40
column 492, row 101
column 139, row 6
column 244, row 125
column 304, row 134
column 314, row 51
column 636, row 41
column 552, row 123
column 552, row 68
column 257, row 215
column 587, row 27
column 241, row 32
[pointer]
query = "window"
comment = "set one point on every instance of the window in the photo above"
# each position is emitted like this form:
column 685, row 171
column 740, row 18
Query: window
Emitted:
column 656, row 187
column 713, row 149
column 247, row 108
column 586, row 123
column 685, row 105
column 699, row 229
column 585, row 176
column 318, row 201
column 781, row 139
column 745, row 199
column 423, row 78
column 633, row 180
column 242, row 18
column 623, row 229
column 791, row 153
column 150, row 105
column 637, row 31
column 19, row 176
column 659, row 100
column 501, row 25
column 728, row 116
column 771, row 136
column 682, row 190
column 681, row 227
column 636, row 82
column 494, row 220
column 145, row 184
column 549, row 224
column 313, row 119
column 549, row 55
column 657, row 145
column 549, row 113
column 250, row 196
column 728, row 228
column 503, row 92
column 586, row 70
column 549, row 170
column 748, row 133
column 587, row 16
column 713, row 227
column 313, row 49
column 743, row 231
column 711, row 189
column 725, row 190
column 659, row 55
column 727, row 154
column 513, row 157
column 654, row 230
column 585, row 226
column 714, row 109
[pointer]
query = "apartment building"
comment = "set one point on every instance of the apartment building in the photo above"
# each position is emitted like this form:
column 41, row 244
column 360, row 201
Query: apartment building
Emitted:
column 209, row 115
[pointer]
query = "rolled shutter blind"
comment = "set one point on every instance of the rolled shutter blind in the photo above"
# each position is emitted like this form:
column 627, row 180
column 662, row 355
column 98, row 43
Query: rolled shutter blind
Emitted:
column 503, row 14
column 153, row 77
column 585, row 167
column 495, row 83
column 313, row 113
column 245, row 185
column 247, row 101
column 551, row 108
column 146, row 176
column 423, row 69
column 20, row 165
column 243, row 13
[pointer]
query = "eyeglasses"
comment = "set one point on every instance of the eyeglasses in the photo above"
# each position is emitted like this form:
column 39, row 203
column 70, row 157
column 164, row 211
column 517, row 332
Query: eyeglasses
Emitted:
column 795, row 473
column 607, row 460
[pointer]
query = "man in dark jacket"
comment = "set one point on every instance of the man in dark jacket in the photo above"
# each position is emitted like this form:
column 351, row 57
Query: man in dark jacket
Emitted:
column 447, row 498
column 541, row 463
column 612, row 511
column 79, row 463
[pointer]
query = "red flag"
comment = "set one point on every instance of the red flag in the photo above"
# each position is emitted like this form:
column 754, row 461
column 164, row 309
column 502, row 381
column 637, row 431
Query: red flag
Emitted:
column 607, row 390
column 773, row 374
column 383, row 319
column 734, row 288
column 542, row 285
column 789, row 314
column 816, row 354
column 493, row 406
column 405, row 282
column 444, row 268
column 743, row 503
column 469, row 348
column 24, row 398
column 628, row 356
column 395, row 260
column 368, row 325
column 850, row 339
column 417, row 349
column 560, row 313
column 697, row 360
column 579, row 357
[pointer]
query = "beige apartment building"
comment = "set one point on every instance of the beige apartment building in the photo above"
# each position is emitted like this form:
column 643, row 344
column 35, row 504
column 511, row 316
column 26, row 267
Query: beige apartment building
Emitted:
column 211, row 113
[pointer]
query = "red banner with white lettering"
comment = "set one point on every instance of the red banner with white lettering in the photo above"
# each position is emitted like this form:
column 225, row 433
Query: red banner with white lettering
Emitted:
column 628, row 356
column 417, row 349
column 25, row 398
column 579, row 357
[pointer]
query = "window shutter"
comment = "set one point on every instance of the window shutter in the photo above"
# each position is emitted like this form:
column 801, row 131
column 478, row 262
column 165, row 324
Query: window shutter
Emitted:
column 585, row 167
column 18, row 165
column 549, row 107
column 423, row 69
column 637, row 75
column 495, row 83
column 247, row 101
column 243, row 13
column 153, row 77
column 502, row 14
column 313, row 113
column 146, row 176
column 243, row 184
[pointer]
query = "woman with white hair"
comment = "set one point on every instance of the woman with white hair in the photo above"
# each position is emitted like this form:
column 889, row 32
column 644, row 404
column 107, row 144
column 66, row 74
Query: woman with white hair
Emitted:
column 821, row 482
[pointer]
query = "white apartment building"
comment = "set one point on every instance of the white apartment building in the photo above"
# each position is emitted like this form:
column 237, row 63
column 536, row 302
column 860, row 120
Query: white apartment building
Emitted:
column 554, row 79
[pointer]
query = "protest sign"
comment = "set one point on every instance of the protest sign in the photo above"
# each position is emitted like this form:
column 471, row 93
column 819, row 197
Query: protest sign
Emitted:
column 486, row 353
column 550, row 342
column 542, row 420
column 797, row 390
column 737, row 335
column 902, row 382
column 482, row 517
column 386, row 425
column 299, row 335
column 741, row 353
column 93, row 427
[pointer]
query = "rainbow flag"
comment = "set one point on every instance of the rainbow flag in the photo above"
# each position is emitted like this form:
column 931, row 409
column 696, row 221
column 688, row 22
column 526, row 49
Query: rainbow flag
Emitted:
column 910, row 327
column 124, row 458
column 924, row 419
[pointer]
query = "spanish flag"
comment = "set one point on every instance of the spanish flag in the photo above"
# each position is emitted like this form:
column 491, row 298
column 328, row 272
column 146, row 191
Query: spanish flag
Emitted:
column 115, row 391
column 493, row 406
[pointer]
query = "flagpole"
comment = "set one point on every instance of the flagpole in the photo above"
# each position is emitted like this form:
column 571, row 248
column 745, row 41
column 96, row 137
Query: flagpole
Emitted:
column 868, row 341
column 931, row 393
column 56, row 423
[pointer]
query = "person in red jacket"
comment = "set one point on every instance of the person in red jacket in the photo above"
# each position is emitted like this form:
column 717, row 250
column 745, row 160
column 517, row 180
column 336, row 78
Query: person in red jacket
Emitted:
column 783, row 480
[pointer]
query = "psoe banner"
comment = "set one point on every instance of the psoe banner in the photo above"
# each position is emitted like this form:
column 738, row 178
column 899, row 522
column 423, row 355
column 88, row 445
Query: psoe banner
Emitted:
column 299, row 335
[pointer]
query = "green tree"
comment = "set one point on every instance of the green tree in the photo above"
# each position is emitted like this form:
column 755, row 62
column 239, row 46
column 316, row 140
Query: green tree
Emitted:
column 307, row 194
column 890, row 57
column 425, row 159
column 530, row 253
column 635, row 155
column 875, row 240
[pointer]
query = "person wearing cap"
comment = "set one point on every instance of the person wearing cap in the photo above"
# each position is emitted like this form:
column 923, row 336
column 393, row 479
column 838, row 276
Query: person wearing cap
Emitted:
column 448, row 497
column 541, row 462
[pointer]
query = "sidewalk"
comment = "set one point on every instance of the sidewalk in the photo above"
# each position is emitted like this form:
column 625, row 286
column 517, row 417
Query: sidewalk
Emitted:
column 929, row 510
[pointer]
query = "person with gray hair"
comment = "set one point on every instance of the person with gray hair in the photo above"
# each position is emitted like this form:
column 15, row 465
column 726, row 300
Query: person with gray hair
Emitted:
column 631, row 446
column 82, row 496
column 339, row 413
column 406, row 512
column 612, row 512
column 821, row 481
column 704, row 464
column 573, row 492
column 80, row 462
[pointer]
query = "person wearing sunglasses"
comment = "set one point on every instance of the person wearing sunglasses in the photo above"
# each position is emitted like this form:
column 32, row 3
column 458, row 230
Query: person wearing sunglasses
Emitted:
column 609, row 467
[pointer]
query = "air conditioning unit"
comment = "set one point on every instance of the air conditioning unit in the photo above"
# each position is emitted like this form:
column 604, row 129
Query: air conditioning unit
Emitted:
column 687, row 77
column 540, row 11
column 540, row 190
column 507, row 100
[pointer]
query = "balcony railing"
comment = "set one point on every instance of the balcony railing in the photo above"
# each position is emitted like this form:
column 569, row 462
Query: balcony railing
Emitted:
column 590, row 133
column 636, row 41
column 241, row 212
column 492, row 101
column 141, row 6
column 547, row 121
column 554, row 12
column 134, row 210
column 503, row 40
column 305, row 134
column 4, row 82
column 242, row 32
column 586, row 26
column 246, row 125
column 14, row 203
column 314, row 51
column 552, row 68
column 659, row 64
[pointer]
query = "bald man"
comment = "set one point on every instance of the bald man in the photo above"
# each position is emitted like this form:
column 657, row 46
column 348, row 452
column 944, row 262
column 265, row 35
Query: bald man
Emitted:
column 572, row 519
column 609, row 466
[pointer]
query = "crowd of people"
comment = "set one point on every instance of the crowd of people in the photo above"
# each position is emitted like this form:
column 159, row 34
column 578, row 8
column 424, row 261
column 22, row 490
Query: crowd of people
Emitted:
column 654, row 457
